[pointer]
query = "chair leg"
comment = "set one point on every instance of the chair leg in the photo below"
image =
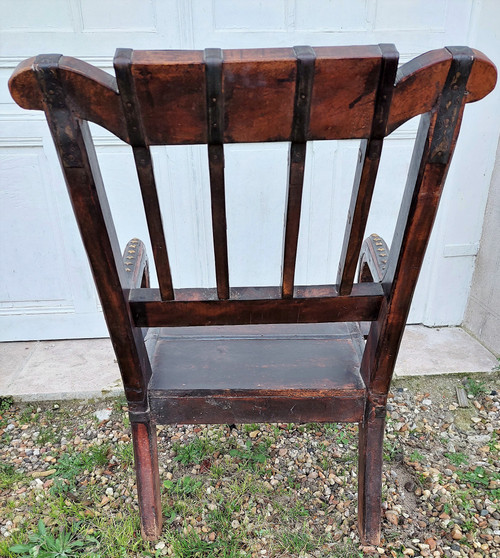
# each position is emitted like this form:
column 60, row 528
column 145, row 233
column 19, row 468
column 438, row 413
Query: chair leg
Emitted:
column 371, row 437
column 148, row 478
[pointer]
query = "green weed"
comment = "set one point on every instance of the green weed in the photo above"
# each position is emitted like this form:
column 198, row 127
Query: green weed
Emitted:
column 391, row 449
column 417, row 456
column 349, row 550
column 125, row 454
column 70, row 465
column 220, row 519
column 457, row 458
column 43, row 544
column 342, row 433
column 475, row 387
column 183, row 486
column 252, row 456
column 9, row 476
column 194, row 452
column 298, row 510
column 47, row 436
column 479, row 477
column 292, row 483
column 217, row 471
column 250, row 427
column 493, row 444
column 446, row 508
column 296, row 543
column 192, row 546
column 118, row 538
column 120, row 403
column 6, row 403
column 28, row 415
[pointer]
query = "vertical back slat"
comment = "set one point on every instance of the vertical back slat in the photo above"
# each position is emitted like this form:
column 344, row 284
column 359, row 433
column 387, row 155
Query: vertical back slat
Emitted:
column 215, row 124
column 366, row 171
column 145, row 172
column 296, row 163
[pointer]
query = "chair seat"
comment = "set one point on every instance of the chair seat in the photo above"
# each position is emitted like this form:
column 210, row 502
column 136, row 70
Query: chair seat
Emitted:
column 256, row 373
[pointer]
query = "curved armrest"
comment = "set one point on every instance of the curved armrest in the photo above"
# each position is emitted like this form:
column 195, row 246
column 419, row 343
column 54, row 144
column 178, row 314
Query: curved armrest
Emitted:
column 135, row 263
column 372, row 264
column 373, row 259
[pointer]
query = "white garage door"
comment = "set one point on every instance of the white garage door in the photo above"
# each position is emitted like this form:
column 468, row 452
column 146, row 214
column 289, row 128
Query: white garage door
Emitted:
column 46, row 290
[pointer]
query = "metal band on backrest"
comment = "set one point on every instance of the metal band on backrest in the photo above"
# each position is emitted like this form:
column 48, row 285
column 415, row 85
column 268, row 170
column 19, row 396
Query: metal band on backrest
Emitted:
column 122, row 63
column 306, row 58
column 450, row 103
column 46, row 68
column 215, row 101
column 385, row 90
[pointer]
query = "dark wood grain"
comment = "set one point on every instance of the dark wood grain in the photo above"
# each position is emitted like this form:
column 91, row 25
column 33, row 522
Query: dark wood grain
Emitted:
column 296, row 168
column 344, row 111
column 370, row 460
column 421, row 197
column 219, row 221
column 282, row 359
column 296, row 162
column 256, row 293
column 241, row 410
column 215, row 132
column 251, row 354
column 372, row 265
column 366, row 171
column 255, row 373
column 152, row 313
column 88, row 197
column 145, row 172
column 148, row 478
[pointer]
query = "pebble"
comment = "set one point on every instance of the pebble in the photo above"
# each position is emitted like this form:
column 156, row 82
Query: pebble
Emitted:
column 392, row 517
column 311, row 467
column 456, row 533
column 431, row 543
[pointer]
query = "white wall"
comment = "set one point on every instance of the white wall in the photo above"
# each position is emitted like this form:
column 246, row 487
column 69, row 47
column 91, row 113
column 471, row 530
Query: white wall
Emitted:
column 482, row 316
column 46, row 289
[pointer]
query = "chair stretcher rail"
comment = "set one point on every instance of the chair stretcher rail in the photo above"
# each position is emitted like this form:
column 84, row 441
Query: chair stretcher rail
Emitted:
column 148, row 310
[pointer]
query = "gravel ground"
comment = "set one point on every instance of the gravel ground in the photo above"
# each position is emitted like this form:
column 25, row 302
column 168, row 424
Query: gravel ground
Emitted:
column 263, row 490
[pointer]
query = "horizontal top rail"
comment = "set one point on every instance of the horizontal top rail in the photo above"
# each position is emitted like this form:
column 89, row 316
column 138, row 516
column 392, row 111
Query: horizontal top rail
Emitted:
column 258, row 89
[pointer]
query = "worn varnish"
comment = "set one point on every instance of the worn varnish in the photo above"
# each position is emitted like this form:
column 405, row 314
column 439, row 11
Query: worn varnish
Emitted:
column 248, row 354
column 299, row 373
column 366, row 171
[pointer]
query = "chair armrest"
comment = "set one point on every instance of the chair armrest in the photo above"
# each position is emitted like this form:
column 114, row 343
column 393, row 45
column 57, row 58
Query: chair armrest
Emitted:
column 135, row 263
column 372, row 264
column 373, row 259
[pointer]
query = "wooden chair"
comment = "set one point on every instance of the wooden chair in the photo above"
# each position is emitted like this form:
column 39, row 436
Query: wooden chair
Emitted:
column 265, row 354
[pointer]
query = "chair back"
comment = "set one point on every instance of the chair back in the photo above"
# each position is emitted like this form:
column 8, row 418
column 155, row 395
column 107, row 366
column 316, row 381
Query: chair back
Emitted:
column 216, row 97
